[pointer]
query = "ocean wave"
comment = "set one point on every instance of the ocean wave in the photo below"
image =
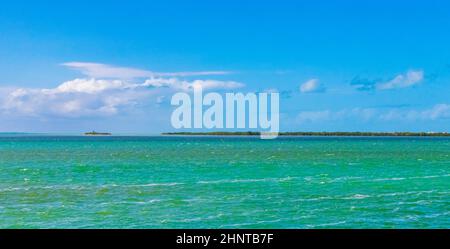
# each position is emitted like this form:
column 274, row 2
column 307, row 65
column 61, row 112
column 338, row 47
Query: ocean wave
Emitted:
column 437, row 215
column 248, row 180
column 388, row 179
column 315, row 198
column 406, row 178
column 426, row 177
column 189, row 220
column 154, row 184
column 86, row 187
column 406, row 193
column 356, row 197
column 237, row 225
column 327, row 224
column 130, row 202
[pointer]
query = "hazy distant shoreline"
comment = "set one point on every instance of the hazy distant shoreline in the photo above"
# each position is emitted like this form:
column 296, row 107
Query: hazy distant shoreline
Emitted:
column 354, row 134
column 218, row 133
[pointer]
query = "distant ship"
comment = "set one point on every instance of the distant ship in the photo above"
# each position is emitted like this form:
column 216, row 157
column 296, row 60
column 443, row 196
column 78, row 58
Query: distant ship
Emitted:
column 94, row 133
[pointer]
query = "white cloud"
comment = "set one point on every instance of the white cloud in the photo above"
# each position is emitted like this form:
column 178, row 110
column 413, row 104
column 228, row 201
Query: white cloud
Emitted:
column 93, row 97
column 271, row 90
column 98, row 70
column 411, row 78
column 75, row 98
column 328, row 115
column 313, row 116
column 89, row 86
column 215, row 84
column 184, row 85
column 311, row 86
column 439, row 111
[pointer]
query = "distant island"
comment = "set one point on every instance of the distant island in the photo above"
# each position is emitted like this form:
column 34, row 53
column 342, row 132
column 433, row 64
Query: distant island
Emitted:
column 354, row 134
column 94, row 133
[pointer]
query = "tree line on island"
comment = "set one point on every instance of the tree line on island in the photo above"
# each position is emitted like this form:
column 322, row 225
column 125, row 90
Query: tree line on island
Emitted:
column 362, row 134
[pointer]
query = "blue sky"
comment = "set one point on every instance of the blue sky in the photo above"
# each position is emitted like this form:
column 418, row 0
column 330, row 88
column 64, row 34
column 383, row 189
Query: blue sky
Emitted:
column 339, row 65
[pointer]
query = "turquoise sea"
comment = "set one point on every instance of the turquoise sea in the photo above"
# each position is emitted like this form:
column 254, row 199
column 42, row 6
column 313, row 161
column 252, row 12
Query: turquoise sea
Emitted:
column 224, row 182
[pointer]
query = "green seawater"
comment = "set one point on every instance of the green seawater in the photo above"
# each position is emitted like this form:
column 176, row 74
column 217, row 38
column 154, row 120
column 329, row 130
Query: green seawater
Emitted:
column 224, row 182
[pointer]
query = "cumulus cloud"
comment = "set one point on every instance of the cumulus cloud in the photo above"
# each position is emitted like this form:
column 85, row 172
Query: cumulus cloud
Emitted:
column 438, row 111
column 411, row 78
column 184, row 85
column 312, row 86
column 98, row 70
column 89, row 86
column 314, row 116
column 408, row 79
column 80, row 97
column 94, row 97
column 328, row 115
column 271, row 90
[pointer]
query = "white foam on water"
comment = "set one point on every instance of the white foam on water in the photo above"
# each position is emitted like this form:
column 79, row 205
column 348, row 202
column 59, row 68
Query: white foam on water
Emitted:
column 248, row 180
column 388, row 179
column 356, row 197
column 327, row 224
